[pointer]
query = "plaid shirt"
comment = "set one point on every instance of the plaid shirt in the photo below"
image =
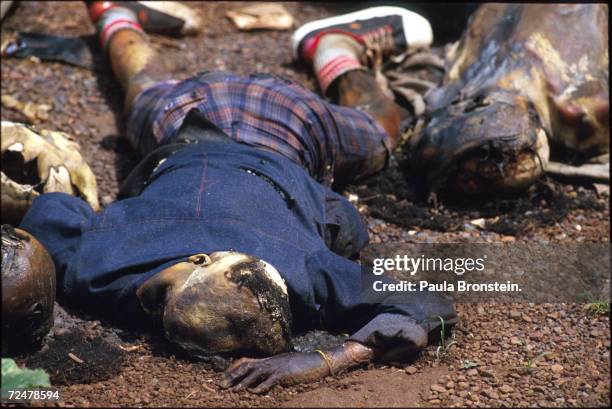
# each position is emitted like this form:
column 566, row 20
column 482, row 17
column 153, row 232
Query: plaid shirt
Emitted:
column 269, row 113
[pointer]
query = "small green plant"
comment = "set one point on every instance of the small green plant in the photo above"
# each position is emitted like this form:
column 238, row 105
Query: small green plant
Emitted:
column 467, row 364
column 598, row 308
column 14, row 377
column 443, row 347
column 531, row 362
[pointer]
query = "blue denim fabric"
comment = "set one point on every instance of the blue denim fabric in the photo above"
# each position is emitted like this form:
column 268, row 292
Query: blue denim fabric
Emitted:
column 203, row 199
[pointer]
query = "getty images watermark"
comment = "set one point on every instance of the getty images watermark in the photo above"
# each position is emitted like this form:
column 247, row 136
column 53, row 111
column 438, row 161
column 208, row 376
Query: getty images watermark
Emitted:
column 414, row 265
column 479, row 272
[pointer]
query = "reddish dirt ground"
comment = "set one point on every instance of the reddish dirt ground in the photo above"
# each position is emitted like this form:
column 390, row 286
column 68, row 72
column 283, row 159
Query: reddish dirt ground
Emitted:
column 503, row 355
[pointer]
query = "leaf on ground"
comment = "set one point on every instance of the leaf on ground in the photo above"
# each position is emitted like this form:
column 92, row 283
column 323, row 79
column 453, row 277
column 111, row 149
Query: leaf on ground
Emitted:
column 14, row 377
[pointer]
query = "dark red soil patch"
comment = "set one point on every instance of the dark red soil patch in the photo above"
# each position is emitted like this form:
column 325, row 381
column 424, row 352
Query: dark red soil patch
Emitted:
column 76, row 357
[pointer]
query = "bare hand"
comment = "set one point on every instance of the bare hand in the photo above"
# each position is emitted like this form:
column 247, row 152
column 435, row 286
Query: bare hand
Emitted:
column 260, row 375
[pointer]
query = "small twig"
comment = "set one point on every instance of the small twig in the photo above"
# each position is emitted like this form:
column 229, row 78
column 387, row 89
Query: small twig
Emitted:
column 75, row 358
column 208, row 388
column 368, row 198
column 130, row 348
column 597, row 172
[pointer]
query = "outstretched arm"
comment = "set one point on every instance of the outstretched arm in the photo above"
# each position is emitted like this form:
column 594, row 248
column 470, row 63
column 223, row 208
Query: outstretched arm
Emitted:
column 259, row 375
column 389, row 329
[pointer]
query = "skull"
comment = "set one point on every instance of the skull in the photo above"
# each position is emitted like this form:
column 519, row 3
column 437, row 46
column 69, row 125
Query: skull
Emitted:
column 28, row 290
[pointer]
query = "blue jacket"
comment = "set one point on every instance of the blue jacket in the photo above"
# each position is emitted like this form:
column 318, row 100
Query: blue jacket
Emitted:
column 216, row 196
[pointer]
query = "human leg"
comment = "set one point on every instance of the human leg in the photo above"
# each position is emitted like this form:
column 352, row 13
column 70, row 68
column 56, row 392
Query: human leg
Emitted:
column 135, row 63
column 336, row 48
column 137, row 67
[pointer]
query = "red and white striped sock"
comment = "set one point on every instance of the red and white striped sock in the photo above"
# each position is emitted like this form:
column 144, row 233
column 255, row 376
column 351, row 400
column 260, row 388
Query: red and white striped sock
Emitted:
column 335, row 55
column 111, row 18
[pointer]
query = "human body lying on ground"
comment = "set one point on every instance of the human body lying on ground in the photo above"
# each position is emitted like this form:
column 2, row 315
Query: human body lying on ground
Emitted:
column 518, row 94
column 229, row 233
